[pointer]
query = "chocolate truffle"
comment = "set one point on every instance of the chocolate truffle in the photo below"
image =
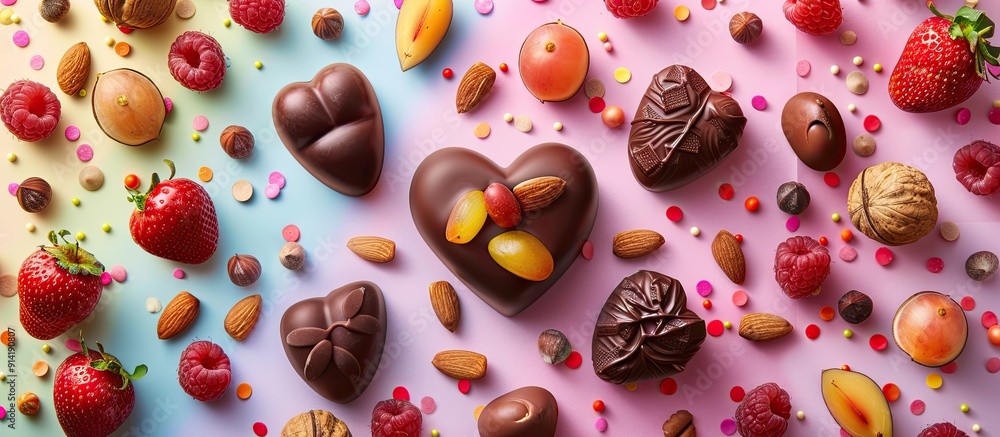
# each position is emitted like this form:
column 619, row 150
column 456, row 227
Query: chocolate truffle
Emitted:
column 525, row 412
column 335, row 342
column 562, row 226
column 645, row 330
column 815, row 130
column 681, row 130
column 332, row 125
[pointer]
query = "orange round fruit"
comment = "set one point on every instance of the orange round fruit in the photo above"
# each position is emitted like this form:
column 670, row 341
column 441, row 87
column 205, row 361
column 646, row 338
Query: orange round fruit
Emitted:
column 931, row 328
column 554, row 62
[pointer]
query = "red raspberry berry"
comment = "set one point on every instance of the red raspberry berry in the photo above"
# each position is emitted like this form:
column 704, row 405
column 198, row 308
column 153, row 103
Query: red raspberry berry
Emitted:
column 204, row 371
column 261, row 16
column 977, row 167
column 630, row 8
column 764, row 412
column 943, row 429
column 396, row 418
column 800, row 266
column 815, row 17
column 196, row 61
column 30, row 110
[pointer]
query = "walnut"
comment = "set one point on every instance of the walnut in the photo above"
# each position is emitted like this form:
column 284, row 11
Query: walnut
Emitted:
column 893, row 203
column 315, row 423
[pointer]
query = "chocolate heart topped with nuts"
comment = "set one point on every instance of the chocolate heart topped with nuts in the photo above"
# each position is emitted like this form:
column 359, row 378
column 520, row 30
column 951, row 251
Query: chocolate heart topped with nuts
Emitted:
column 335, row 342
column 332, row 125
column 559, row 226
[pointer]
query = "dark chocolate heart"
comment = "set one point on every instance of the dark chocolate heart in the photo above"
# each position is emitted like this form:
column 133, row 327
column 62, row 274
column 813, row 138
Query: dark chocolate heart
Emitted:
column 335, row 342
column 332, row 125
column 562, row 226
column 682, row 129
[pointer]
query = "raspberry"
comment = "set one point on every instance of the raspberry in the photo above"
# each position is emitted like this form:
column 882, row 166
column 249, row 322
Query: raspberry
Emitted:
column 630, row 8
column 815, row 17
column 30, row 110
column 196, row 61
column 977, row 167
column 800, row 266
column 764, row 412
column 261, row 16
column 943, row 429
column 204, row 371
column 396, row 418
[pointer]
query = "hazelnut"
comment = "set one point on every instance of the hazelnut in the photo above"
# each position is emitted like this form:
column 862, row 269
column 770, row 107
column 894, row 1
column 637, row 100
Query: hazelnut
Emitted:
column 28, row 403
column 855, row 307
column 553, row 346
column 793, row 198
column 328, row 24
column 981, row 265
column 244, row 270
column 34, row 194
column 53, row 11
column 292, row 256
column 745, row 27
column 236, row 141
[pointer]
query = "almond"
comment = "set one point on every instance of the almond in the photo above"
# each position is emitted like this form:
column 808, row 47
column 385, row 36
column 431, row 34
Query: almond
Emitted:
column 178, row 315
column 374, row 249
column 636, row 243
column 729, row 255
column 74, row 68
column 763, row 327
column 680, row 424
column 474, row 87
column 537, row 193
column 444, row 300
column 460, row 364
column 243, row 316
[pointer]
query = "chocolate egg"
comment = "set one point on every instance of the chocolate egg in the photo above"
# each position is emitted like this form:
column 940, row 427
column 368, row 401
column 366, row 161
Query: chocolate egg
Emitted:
column 525, row 412
column 815, row 130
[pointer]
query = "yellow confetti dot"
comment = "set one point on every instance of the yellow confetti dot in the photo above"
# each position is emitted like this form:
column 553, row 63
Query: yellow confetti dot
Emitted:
column 11, row 157
column 602, row 36
column 5, row 15
column 835, row 69
column 109, row 41
column 631, row 386
column 258, row 65
column 557, row 126
column 106, row 227
column 848, row 333
column 727, row 324
column 681, row 13
column 83, row 93
column 46, row 348
column 195, row 136
column 801, row 415
column 227, row 22
column 75, row 201
column 975, row 427
column 623, row 75
column 482, row 130
column 964, row 408
column 205, row 174
column 104, row 19
column 435, row 433
column 877, row 68
column 835, row 217
column 508, row 117
column 934, row 381
column 996, row 103
column 852, row 107
column 30, row 227
column 15, row 18
column 80, row 236
column 695, row 231
column 476, row 412
column 858, row 60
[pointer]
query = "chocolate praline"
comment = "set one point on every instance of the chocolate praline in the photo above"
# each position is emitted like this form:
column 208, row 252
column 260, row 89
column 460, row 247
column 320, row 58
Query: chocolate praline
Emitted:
column 525, row 412
column 815, row 130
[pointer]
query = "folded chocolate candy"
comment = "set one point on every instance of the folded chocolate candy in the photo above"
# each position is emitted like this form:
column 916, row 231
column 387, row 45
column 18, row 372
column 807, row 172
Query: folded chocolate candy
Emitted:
column 525, row 412
column 645, row 330
column 682, row 129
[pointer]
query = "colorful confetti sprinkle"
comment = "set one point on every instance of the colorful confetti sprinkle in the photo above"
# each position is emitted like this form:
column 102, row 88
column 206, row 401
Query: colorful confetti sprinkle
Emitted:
column 872, row 123
column 792, row 224
column 716, row 328
column 935, row 265
column 891, row 392
column 574, row 360
column 968, row 303
column 704, row 288
column 427, row 405
column 36, row 62
column 596, row 104
column 848, row 254
column 883, row 256
column 84, row 152
column 917, row 407
column 740, row 298
column 728, row 426
column 290, row 233
column 737, row 393
column 601, row 424
column 271, row 191
column 668, row 386
column 827, row 313
column 21, row 38
column 721, row 81
column 105, row 278
column 831, row 179
column 588, row 250
column 484, row 7
column 178, row 273
column 674, row 214
column 963, row 116
column 118, row 273
column 812, row 332
column 623, row 75
column 726, row 191
column 464, row 386
column 802, row 68
column 993, row 365
column 989, row 319
column 200, row 123
column 362, row 7
column 934, row 381
column 759, row 103
column 401, row 393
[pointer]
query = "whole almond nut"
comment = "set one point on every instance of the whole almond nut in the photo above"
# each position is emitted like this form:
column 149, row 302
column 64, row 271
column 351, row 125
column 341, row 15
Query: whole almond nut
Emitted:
column 636, row 243
column 243, row 317
column 763, row 327
column 74, row 68
column 374, row 249
column 460, row 364
column 444, row 301
column 178, row 315
column 537, row 193
column 474, row 87
column 729, row 255
column 680, row 424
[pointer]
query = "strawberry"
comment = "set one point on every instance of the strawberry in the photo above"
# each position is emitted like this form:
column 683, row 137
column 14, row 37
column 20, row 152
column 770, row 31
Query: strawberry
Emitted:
column 942, row 63
column 175, row 220
column 815, row 17
column 58, row 286
column 92, row 393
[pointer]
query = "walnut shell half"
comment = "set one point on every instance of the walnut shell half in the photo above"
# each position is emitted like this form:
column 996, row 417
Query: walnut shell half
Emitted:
column 893, row 204
column 315, row 423
column 136, row 14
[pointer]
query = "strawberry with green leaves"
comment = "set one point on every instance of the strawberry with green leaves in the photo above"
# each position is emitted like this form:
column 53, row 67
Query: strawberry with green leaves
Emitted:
column 943, row 62
column 92, row 393
column 175, row 219
column 58, row 287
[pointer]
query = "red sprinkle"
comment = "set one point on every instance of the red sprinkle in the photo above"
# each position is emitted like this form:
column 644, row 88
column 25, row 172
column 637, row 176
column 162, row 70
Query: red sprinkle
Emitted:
column 464, row 385
column 878, row 342
column 401, row 393
column 949, row 368
column 737, row 393
column 726, row 191
column 812, row 332
column 752, row 204
column 503, row 67
column 739, row 238
column 872, row 123
column 823, row 241
column 125, row 30
column 715, row 328
column 588, row 250
column 132, row 181
column 993, row 365
column 989, row 319
column 883, row 256
column 447, row 73
column 260, row 429
column 574, row 360
column 831, row 179
column 917, row 407
column 707, row 304
column 597, row 104
column 599, row 406
column 674, row 214
column 845, row 367
column 968, row 303
column 935, row 265
column 668, row 386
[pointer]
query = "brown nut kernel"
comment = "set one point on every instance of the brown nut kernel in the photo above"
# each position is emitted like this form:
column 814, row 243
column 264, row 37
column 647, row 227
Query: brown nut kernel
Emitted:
column 28, row 403
column 745, row 27
column 34, row 194
column 236, row 141
column 328, row 24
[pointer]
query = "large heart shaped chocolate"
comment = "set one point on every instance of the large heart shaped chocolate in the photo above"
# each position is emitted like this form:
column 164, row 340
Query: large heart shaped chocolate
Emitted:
column 335, row 342
column 332, row 125
column 562, row 227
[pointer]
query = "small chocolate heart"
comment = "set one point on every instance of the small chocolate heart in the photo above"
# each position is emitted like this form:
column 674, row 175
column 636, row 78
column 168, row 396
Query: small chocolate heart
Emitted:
column 562, row 226
column 335, row 342
column 332, row 125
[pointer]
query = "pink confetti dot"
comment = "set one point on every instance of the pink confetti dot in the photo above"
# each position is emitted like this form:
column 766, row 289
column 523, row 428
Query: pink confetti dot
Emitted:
column 276, row 178
column 917, row 407
column 200, row 123
column 601, row 424
column 168, row 104
column 675, row 214
column 831, row 179
column 993, row 365
column 721, row 81
column 994, row 116
column 260, row 429
column 989, row 319
column 427, row 405
column 73, row 345
column 398, row 3
column 759, row 103
column 726, row 191
column 12, row 188
column 574, row 360
column 464, row 386
column 271, row 191
column 704, row 288
column 118, row 273
column 968, row 303
column 179, row 274
column 728, row 426
column 803, row 68
column 716, row 328
column 84, row 152
column 883, row 256
column 963, row 116
column 848, row 254
column 72, row 133
column 362, row 7
column 878, row 342
column 588, row 250
column 708, row 4
column 105, row 278
column 21, row 38
column 290, row 233
column 36, row 62
column 935, row 265
column 740, row 298
column 8, row 2
column 596, row 104
column 872, row 123
column 949, row 368
column 792, row 224
column 484, row 6
column 401, row 393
